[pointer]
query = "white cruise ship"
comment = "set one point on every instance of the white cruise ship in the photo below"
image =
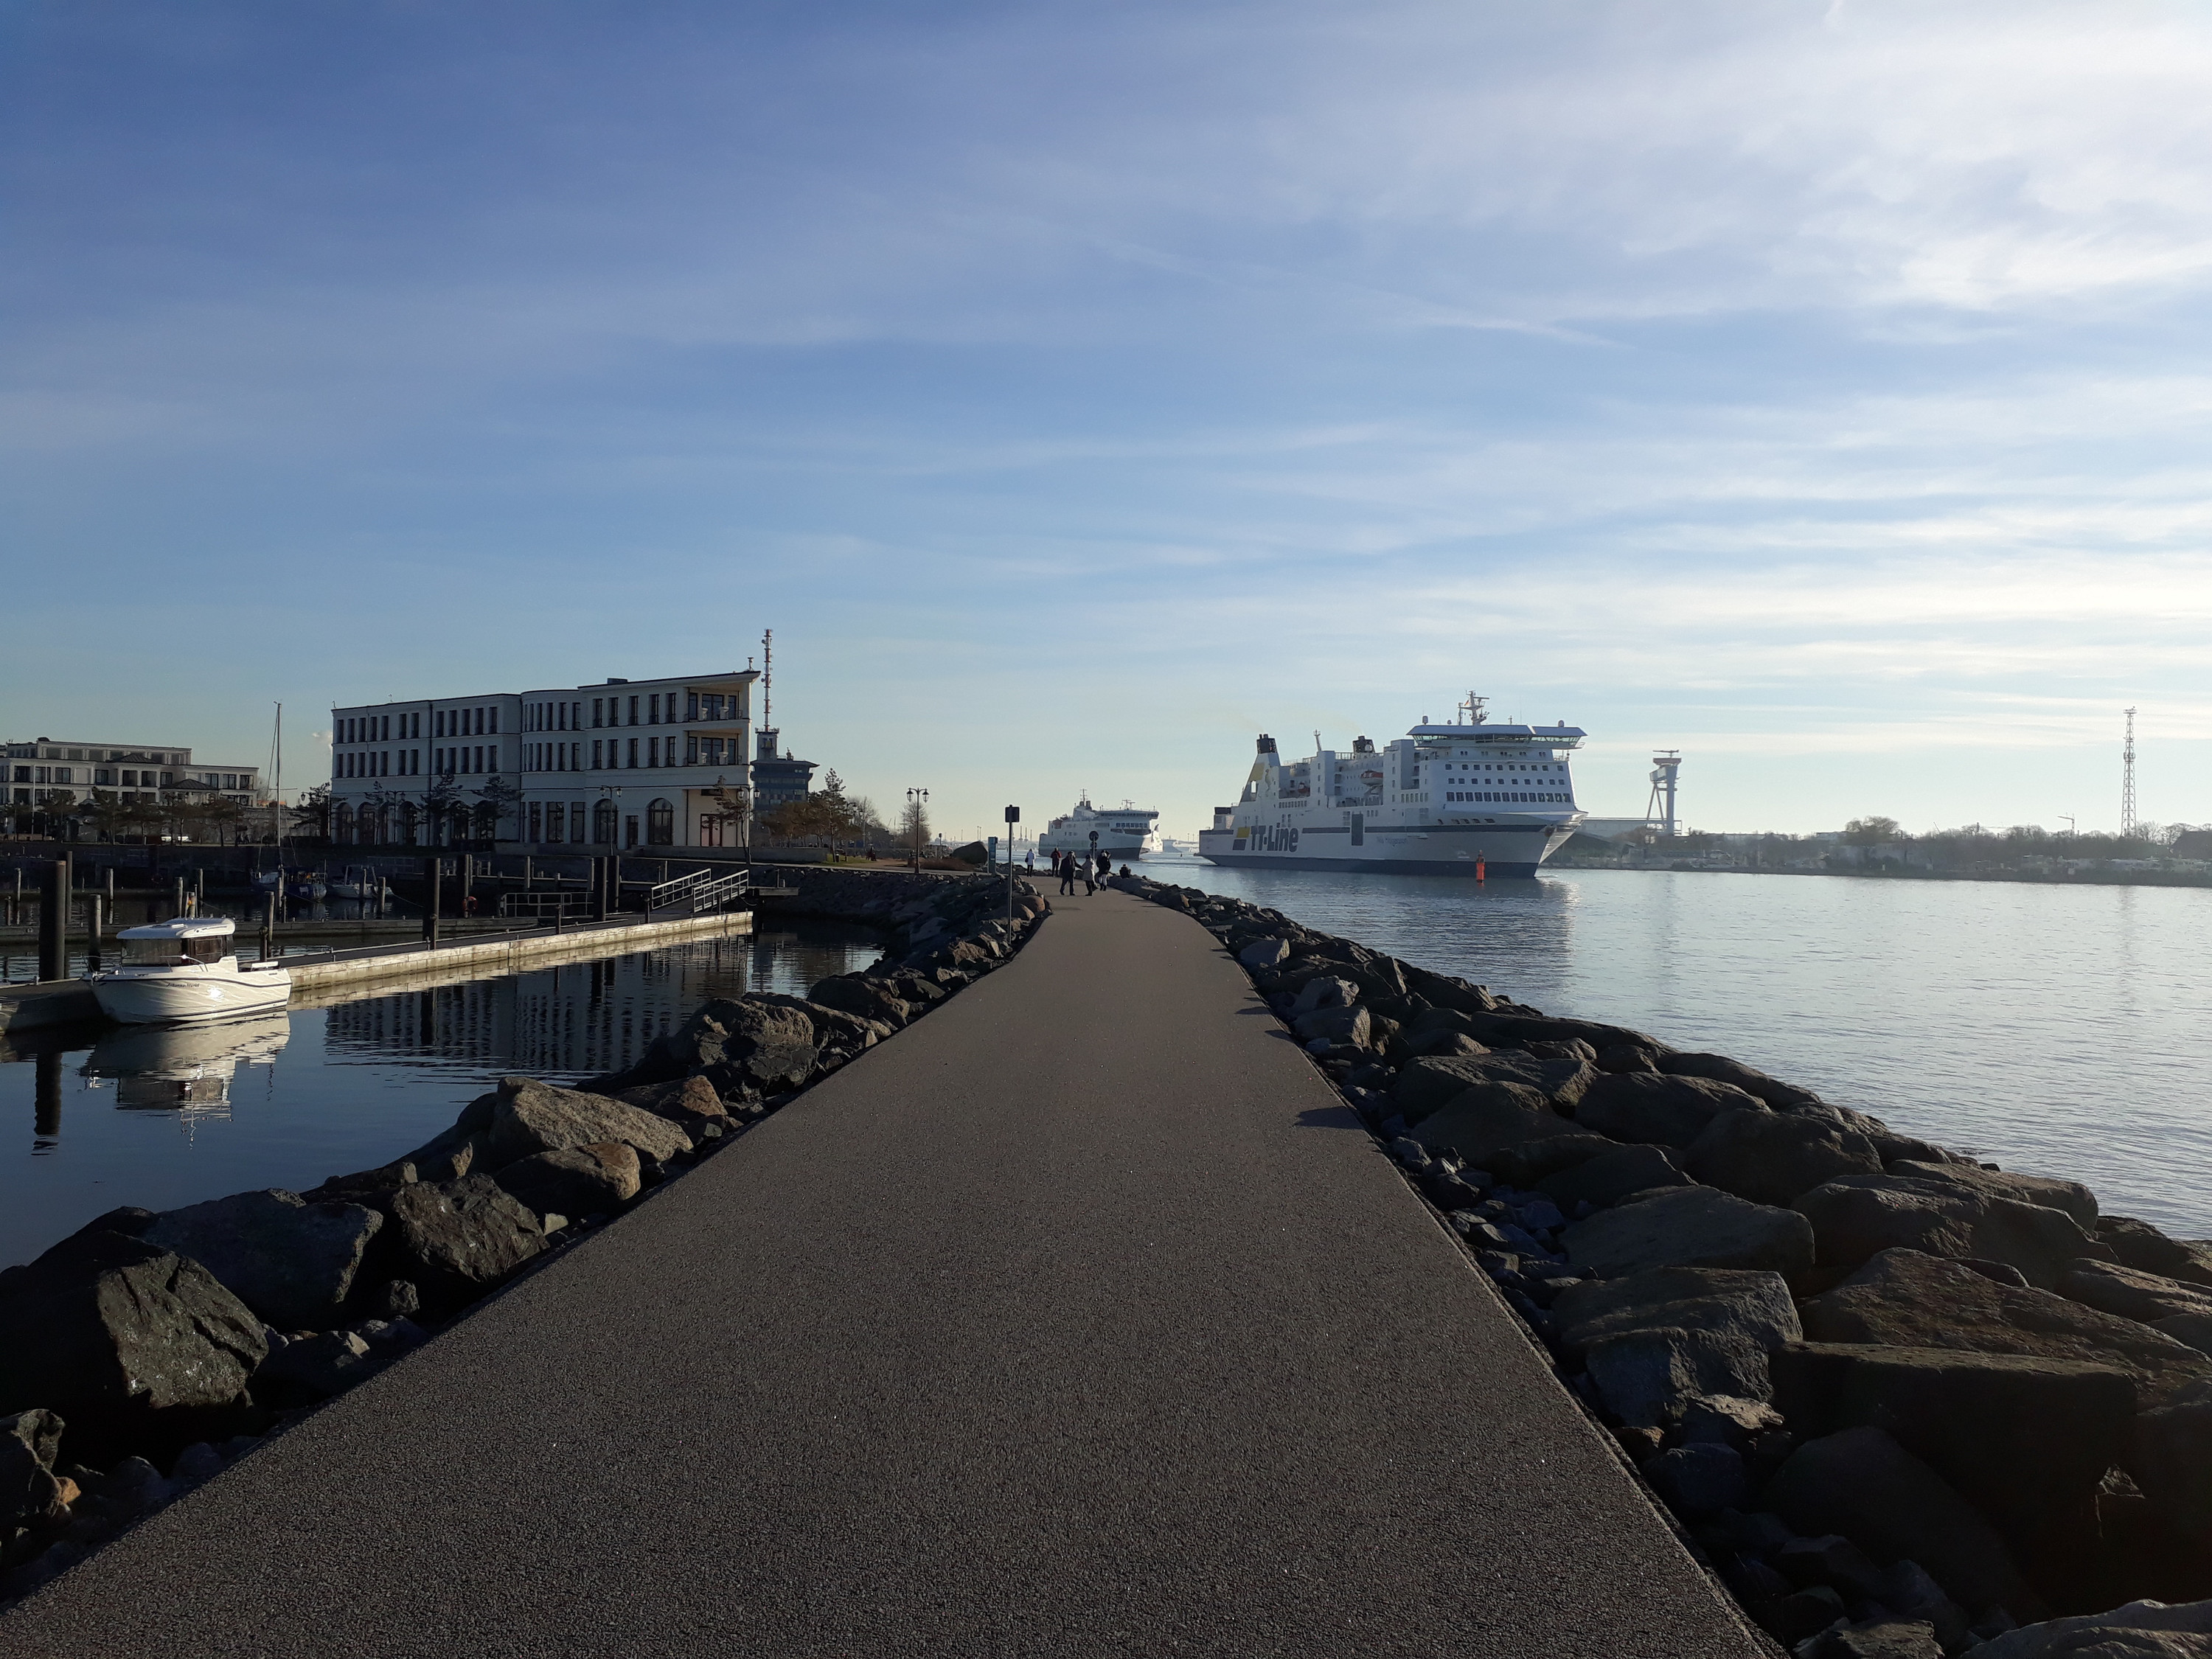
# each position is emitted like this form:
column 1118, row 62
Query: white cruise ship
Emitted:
column 1469, row 797
column 1124, row 831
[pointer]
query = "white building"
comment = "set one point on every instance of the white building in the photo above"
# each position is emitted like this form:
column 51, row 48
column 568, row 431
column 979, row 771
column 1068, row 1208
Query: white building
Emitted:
column 620, row 764
column 132, row 770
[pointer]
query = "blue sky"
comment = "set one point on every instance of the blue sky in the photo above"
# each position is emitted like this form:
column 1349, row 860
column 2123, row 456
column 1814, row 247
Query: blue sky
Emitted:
column 1077, row 391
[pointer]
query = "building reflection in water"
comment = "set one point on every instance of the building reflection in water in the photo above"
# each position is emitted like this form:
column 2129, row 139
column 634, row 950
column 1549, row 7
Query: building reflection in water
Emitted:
column 585, row 1017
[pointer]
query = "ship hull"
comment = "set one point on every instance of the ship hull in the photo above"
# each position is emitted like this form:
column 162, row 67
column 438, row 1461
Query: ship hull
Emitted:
column 1503, row 851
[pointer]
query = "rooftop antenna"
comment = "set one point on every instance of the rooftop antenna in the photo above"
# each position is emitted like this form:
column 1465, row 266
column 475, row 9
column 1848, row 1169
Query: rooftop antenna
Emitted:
column 767, row 676
column 1660, row 805
column 2128, row 780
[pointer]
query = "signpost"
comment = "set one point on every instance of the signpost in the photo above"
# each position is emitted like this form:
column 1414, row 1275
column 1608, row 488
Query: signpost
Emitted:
column 1014, row 818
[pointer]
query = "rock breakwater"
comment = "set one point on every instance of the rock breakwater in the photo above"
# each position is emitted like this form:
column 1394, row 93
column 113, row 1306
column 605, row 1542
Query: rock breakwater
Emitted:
column 1902, row 1401
column 146, row 1351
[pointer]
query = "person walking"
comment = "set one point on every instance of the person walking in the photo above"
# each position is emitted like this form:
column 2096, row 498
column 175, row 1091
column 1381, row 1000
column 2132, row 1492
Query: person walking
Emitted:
column 1105, row 866
column 1089, row 885
column 1067, row 873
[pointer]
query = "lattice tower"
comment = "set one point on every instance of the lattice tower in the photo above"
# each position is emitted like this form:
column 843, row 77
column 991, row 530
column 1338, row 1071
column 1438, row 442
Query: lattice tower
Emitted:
column 2128, row 779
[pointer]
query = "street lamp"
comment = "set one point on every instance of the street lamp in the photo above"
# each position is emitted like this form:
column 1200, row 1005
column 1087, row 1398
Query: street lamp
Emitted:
column 915, row 800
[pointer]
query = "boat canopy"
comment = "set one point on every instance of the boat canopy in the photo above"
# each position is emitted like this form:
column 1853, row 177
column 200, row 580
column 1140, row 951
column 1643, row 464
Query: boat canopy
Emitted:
column 184, row 928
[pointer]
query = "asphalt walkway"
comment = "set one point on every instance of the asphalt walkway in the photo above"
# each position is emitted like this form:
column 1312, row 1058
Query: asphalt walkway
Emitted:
column 1081, row 1318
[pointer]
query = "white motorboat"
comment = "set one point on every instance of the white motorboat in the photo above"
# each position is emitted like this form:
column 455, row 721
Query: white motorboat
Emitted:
column 175, row 971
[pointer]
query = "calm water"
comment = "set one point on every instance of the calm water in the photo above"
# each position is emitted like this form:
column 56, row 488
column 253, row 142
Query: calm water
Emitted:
column 162, row 1116
column 2060, row 1030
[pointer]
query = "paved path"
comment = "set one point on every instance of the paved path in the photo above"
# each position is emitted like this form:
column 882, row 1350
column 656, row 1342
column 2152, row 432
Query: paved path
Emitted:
column 1080, row 1319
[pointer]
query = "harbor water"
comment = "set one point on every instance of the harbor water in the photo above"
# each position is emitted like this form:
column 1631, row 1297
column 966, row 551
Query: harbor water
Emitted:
column 2054, row 1029
column 163, row 1115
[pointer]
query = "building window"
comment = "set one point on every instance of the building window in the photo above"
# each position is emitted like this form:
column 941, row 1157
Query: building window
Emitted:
column 598, row 760
column 660, row 825
column 629, row 829
column 633, row 711
column 690, row 751
column 633, row 749
column 652, row 710
column 576, row 823
column 690, row 705
column 596, row 711
column 557, row 820
column 602, row 823
column 537, row 823
column 653, row 751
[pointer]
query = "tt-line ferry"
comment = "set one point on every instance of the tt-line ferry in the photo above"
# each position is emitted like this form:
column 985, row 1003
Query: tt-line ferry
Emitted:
column 1457, row 800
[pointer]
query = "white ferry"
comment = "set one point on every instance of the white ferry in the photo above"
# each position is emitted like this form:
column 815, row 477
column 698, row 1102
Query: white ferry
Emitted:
column 184, row 970
column 1465, row 799
column 1124, row 831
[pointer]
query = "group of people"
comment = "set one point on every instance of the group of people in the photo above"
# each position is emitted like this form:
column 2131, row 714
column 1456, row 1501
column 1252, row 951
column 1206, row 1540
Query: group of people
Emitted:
column 1074, row 869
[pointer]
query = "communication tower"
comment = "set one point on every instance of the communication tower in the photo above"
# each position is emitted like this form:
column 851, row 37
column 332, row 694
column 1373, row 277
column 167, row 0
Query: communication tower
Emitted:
column 2128, row 779
column 767, row 676
column 1660, row 805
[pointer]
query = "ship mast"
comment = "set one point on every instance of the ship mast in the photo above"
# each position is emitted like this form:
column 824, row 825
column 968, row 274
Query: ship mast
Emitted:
column 1474, row 706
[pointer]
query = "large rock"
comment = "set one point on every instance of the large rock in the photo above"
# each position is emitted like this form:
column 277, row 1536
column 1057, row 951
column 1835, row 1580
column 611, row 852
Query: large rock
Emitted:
column 2071, row 1196
column 460, row 1238
column 1752, row 1309
column 1484, row 1119
column 28, row 1491
column 2025, row 1438
column 529, row 1117
column 1341, row 1025
column 2112, row 1289
column 1265, row 953
column 739, row 1043
column 1691, row 1227
column 1612, row 1176
column 1861, row 1483
column 1647, row 1377
column 857, row 993
column 2140, row 1630
column 1645, row 1106
column 120, row 1337
column 1719, row 1069
column 691, row 1104
column 1527, row 1162
column 313, row 1369
column 291, row 1261
column 2170, row 1455
column 1906, row 1300
column 1770, row 1158
column 1428, row 1084
column 1855, row 1218
column 2138, row 1244
column 576, row 1180
column 1875, row 1639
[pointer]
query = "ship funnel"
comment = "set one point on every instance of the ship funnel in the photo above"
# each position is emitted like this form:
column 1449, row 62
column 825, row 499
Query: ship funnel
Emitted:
column 1267, row 743
column 1363, row 745
column 1222, row 815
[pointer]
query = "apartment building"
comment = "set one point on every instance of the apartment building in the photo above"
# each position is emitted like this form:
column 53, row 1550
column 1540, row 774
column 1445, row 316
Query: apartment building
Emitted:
column 617, row 764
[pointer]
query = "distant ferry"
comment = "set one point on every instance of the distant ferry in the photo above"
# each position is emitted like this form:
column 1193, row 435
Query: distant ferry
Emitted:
column 1468, row 797
column 1124, row 831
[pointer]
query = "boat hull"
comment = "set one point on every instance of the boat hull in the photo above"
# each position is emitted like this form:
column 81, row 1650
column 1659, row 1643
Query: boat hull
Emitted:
column 1505, row 852
column 182, row 999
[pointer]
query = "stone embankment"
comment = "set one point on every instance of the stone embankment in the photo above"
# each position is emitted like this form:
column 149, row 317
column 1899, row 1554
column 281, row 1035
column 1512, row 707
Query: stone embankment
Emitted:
column 144, row 1352
column 1906, row 1403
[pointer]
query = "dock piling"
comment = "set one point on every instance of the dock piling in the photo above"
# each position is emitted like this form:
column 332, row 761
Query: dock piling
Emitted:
column 53, row 922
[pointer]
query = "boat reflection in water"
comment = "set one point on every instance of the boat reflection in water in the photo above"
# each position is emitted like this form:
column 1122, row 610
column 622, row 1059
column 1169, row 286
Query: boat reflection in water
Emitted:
column 184, row 1069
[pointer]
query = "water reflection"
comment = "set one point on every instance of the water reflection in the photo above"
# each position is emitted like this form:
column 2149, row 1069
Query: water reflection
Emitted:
column 345, row 1085
column 186, row 1069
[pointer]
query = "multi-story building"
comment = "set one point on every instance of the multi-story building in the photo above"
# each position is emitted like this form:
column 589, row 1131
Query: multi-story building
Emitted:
column 623, row 763
column 778, row 778
column 37, row 767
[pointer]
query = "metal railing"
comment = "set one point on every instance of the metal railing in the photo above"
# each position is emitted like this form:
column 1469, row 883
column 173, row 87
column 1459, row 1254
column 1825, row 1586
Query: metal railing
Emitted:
column 702, row 890
column 543, row 905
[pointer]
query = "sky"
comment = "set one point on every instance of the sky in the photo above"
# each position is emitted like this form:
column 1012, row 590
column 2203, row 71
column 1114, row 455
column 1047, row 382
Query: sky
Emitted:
column 1078, row 392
